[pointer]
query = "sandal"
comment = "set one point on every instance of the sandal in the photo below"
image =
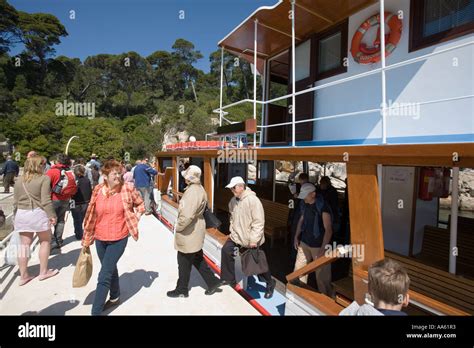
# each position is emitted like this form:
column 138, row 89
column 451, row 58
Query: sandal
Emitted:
column 26, row 280
column 50, row 273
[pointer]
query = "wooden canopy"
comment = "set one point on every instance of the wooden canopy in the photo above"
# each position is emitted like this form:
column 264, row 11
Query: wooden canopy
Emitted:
column 274, row 26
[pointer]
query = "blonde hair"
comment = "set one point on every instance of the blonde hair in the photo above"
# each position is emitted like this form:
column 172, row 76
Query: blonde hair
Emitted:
column 34, row 167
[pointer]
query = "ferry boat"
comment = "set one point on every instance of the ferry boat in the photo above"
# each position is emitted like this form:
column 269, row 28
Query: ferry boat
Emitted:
column 392, row 105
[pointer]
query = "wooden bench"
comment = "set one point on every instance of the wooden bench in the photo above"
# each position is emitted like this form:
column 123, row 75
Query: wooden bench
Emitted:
column 276, row 214
column 452, row 294
column 453, row 290
column 435, row 249
column 276, row 218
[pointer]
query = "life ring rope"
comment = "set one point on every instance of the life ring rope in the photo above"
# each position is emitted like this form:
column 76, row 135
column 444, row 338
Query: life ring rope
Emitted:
column 368, row 55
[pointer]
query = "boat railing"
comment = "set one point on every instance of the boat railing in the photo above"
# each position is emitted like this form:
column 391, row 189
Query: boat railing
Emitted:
column 384, row 109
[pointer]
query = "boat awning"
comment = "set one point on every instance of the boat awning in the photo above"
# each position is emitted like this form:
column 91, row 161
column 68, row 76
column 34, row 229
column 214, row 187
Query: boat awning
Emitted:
column 274, row 29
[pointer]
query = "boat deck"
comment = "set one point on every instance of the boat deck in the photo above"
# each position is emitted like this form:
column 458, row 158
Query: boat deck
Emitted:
column 148, row 269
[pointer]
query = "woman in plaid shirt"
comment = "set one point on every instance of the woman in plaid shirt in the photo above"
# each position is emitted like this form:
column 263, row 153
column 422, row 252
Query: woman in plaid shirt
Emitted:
column 113, row 213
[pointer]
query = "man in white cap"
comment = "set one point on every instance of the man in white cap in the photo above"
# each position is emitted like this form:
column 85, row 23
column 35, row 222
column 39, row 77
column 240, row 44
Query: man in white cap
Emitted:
column 313, row 233
column 247, row 221
column 190, row 233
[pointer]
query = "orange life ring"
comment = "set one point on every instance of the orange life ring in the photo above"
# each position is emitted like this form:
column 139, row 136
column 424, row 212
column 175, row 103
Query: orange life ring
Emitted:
column 367, row 55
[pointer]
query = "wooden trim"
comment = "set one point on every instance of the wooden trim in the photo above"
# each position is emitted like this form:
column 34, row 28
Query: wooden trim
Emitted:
column 413, row 211
column 366, row 219
column 158, row 178
column 164, row 182
column 416, row 39
column 320, row 301
column 314, row 13
column 408, row 155
column 168, row 200
column 420, row 298
column 174, row 161
column 208, row 178
column 312, row 266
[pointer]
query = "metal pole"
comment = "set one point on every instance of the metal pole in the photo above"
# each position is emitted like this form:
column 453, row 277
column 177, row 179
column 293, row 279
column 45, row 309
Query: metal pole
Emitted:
column 222, row 85
column 213, row 168
column 454, row 221
column 255, row 78
column 293, row 77
column 69, row 142
column 264, row 106
column 382, row 60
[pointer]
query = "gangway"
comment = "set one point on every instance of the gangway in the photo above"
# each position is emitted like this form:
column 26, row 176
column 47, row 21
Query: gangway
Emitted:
column 148, row 269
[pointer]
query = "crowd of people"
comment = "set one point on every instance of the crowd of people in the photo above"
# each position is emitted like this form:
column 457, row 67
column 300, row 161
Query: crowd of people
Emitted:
column 107, row 201
column 104, row 206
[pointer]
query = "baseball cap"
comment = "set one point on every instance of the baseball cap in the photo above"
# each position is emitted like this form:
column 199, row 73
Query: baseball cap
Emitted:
column 234, row 181
column 306, row 189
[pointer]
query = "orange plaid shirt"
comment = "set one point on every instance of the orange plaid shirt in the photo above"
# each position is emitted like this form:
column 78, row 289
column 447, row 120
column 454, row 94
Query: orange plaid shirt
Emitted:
column 132, row 204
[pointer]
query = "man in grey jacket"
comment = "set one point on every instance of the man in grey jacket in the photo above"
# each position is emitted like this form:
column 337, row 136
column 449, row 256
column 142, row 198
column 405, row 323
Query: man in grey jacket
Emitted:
column 189, row 237
column 247, row 221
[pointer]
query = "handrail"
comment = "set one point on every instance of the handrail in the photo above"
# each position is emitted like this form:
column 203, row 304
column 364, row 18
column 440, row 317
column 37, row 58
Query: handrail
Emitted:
column 354, row 77
column 165, row 198
column 419, row 300
column 319, row 262
column 365, row 111
column 381, row 70
column 177, row 194
column 320, row 301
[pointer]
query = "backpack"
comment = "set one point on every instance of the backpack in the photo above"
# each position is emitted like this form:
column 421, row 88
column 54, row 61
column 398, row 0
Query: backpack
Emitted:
column 95, row 176
column 66, row 186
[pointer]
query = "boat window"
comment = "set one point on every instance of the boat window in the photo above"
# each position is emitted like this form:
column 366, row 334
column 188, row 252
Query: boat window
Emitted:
column 331, row 50
column 252, row 173
column 436, row 21
column 303, row 58
column 276, row 112
column 227, row 171
column 329, row 53
column 264, row 180
column 286, row 173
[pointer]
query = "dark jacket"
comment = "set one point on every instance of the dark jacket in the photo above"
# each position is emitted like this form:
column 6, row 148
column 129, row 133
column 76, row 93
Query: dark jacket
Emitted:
column 11, row 166
column 84, row 191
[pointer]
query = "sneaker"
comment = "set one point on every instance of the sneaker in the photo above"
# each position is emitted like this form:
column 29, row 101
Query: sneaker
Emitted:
column 270, row 289
column 111, row 303
column 176, row 293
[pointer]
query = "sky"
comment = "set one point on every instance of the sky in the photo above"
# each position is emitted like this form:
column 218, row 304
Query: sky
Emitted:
column 143, row 26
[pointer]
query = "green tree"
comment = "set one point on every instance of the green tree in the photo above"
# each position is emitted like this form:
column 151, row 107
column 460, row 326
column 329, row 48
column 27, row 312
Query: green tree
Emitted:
column 9, row 32
column 21, row 89
column 130, row 71
column 39, row 33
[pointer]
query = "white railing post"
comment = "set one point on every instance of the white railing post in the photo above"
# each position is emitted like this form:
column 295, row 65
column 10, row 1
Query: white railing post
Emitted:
column 453, row 233
column 255, row 63
column 293, row 77
column 382, row 60
column 222, row 85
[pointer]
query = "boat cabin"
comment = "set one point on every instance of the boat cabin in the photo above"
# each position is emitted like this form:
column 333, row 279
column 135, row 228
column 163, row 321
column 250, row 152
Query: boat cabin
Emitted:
column 387, row 112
